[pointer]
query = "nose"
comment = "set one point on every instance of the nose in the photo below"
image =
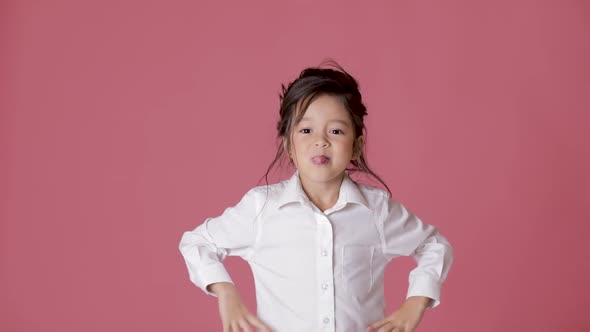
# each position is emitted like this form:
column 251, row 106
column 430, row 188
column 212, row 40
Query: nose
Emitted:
column 321, row 142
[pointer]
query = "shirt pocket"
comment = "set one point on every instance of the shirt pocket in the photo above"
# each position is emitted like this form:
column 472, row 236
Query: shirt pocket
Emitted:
column 357, row 270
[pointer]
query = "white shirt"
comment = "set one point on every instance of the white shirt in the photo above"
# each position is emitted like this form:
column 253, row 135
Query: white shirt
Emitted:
column 314, row 270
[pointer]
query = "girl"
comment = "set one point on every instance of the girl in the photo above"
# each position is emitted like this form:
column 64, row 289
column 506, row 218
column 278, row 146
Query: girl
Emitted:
column 318, row 243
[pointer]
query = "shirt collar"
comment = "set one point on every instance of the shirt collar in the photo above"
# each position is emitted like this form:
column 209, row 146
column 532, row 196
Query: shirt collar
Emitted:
column 349, row 192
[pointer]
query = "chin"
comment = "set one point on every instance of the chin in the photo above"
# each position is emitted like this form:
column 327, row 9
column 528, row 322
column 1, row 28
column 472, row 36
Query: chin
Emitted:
column 320, row 173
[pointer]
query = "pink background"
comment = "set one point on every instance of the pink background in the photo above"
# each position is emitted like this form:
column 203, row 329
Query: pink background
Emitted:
column 126, row 123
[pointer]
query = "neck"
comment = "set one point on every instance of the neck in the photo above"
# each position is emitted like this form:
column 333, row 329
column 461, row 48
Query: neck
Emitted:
column 323, row 194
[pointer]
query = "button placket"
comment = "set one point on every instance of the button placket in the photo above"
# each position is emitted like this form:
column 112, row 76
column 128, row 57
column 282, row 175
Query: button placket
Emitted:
column 325, row 272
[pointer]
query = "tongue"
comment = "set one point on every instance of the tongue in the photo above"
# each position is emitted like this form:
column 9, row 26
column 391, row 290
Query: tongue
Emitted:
column 319, row 160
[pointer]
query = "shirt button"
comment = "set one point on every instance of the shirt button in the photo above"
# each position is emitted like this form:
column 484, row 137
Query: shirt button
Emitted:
column 325, row 286
column 324, row 253
column 326, row 320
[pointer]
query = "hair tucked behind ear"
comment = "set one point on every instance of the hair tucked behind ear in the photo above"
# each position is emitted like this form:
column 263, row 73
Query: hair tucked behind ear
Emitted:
column 301, row 92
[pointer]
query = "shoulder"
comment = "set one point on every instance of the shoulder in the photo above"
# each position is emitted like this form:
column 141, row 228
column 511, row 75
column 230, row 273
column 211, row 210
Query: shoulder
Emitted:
column 278, row 186
column 378, row 200
column 271, row 190
column 370, row 191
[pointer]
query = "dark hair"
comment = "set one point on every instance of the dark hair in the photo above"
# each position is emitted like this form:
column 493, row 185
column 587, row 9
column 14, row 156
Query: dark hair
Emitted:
column 300, row 93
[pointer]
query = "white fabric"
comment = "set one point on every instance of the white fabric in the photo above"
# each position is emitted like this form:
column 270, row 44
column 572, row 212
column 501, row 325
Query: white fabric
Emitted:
column 314, row 270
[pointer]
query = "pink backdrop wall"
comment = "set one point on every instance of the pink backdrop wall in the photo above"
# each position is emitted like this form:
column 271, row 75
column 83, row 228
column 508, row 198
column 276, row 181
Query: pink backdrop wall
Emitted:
column 126, row 123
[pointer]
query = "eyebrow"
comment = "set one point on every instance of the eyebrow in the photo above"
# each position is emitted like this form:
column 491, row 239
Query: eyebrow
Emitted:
column 335, row 120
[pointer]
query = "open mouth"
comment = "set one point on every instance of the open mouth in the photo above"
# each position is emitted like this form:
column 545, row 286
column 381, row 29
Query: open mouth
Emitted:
column 320, row 160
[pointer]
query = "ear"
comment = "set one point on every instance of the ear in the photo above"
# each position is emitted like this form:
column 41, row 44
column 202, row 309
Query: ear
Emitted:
column 358, row 147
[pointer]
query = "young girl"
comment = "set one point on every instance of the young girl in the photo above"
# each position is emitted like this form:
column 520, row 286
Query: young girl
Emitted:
column 318, row 243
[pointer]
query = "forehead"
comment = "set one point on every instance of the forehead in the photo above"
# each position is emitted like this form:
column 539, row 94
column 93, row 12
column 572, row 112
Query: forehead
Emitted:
column 326, row 108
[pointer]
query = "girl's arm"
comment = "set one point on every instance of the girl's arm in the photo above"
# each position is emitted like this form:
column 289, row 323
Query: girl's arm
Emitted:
column 406, row 235
column 232, row 233
column 205, row 248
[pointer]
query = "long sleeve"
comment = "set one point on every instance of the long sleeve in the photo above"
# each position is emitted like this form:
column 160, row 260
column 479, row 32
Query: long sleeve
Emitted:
column 406, row 235
column 233, row 233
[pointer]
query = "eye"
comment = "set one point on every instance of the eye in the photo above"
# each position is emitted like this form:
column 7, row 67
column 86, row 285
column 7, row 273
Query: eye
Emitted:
column 304, row 132
column 338, row 130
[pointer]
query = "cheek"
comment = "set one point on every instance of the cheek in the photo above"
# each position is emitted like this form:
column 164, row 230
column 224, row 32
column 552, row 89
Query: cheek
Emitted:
column 296, row 147
column 298, row 143
column 345, row 150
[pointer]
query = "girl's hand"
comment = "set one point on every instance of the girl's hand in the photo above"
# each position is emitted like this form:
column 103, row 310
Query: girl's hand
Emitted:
column 405, row 319
column 234, row 314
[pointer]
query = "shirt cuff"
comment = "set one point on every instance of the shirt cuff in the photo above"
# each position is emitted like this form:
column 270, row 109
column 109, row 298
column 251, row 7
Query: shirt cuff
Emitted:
column 425, row 286
column 212, row 274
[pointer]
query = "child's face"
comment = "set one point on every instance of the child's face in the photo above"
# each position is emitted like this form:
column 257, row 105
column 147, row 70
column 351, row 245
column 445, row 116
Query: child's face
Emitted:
column 325, row 130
